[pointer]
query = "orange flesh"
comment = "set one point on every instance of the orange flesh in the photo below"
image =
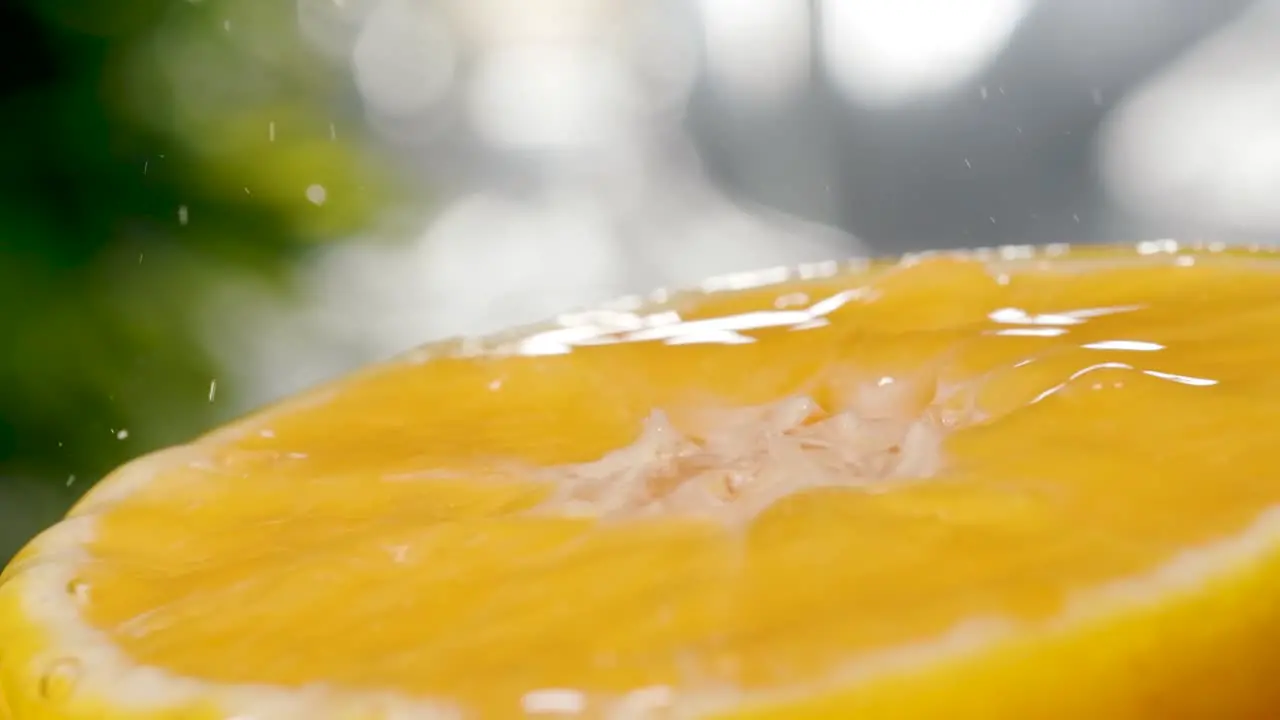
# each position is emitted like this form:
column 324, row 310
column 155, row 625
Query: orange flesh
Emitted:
column 405, row 529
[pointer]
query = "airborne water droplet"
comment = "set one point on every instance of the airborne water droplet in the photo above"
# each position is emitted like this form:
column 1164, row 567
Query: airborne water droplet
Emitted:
column 59, row 681
column 317, row 194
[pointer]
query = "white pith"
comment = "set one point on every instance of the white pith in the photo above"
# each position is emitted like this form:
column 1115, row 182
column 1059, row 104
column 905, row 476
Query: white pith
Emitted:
column 103, row 674
column 743, row 460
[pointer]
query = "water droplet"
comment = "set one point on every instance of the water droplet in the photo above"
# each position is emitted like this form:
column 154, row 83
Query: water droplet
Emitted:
column 317, row 194
column 183, row 215
column 122, row 435
column 213, row 389
column 78, row 589
column 271, row 131
column 71, row 481
column 59, row 681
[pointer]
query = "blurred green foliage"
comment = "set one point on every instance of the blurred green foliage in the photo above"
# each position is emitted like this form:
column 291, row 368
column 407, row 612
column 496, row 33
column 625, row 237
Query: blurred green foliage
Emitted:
column 147, row 149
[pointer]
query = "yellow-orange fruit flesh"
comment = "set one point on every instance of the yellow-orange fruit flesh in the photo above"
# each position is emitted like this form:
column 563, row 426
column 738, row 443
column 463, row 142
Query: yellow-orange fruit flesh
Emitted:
column 954, row 488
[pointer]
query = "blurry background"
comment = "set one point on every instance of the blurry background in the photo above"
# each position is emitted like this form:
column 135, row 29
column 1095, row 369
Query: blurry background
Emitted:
column 206, row 204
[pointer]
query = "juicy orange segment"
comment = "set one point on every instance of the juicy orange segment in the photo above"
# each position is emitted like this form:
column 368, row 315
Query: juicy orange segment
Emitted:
column 1014, row 484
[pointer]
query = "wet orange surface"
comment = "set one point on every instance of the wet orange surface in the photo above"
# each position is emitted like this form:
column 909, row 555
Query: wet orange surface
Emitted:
column 1083, row 420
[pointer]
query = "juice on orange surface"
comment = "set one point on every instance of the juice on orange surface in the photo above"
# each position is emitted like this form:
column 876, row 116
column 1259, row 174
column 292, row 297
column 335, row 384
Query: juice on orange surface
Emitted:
column 1023, row 483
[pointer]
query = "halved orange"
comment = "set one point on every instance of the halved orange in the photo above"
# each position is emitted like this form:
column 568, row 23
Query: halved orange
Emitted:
column 1012, row 484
